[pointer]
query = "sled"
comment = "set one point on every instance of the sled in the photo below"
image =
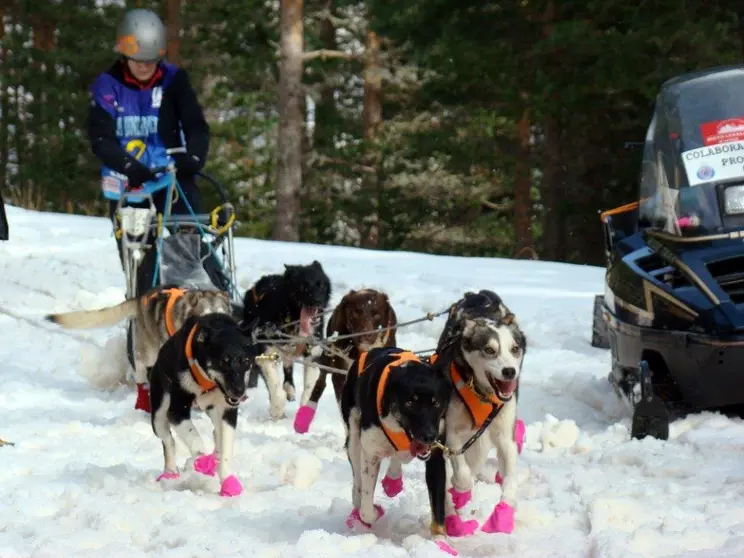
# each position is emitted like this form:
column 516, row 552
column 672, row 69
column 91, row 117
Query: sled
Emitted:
column 181, row 243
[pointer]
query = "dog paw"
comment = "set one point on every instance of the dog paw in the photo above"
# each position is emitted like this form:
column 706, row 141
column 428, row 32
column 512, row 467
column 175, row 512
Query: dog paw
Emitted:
column 499, row 479
column 455, row 526
column 501, row 519
column 303, row 418
column 276, row 412
column 443, row 546
column 391, row 486
column 168, row 475
column 519, row 434
column 355, row 517
column 459, row 499
column 206, row 464
column 231, row 486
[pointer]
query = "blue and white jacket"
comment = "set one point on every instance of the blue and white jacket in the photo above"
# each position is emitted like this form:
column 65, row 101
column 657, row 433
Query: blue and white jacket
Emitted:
column 131, row 124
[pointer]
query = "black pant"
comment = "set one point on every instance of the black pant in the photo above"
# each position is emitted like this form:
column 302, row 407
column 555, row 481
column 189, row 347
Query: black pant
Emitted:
column 146, row 269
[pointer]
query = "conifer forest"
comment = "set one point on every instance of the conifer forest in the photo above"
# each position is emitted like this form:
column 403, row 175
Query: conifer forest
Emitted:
column 491, row 128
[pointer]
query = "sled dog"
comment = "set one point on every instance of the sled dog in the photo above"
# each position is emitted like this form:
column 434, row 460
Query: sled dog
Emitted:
column 157, row 314
column 298, row 297
column 482, row 350
column 204, row 364
column 393, row 404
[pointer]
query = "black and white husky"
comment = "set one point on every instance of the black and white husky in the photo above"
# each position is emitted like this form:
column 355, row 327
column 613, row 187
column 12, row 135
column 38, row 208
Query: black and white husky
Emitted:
column 482, row 350
column 204, row 363
column 393, row 404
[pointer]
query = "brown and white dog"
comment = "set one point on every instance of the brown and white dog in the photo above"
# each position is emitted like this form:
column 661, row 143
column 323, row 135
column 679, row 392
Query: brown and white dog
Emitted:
column 366, row 310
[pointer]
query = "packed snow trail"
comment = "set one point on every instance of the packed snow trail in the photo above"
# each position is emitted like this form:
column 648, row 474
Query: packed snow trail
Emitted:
column 80, row 481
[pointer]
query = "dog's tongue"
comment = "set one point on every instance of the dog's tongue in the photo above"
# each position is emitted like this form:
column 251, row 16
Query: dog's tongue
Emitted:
column 417, row 448
column 506, row 388
column 307, row 316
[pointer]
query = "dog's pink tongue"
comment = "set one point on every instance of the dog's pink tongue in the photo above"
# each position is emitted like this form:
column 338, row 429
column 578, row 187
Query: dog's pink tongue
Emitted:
column 418, row 448
column 307, row 315
column 507, row 388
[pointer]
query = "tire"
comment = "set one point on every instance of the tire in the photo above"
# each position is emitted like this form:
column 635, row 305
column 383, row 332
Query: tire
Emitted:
column 600, row 333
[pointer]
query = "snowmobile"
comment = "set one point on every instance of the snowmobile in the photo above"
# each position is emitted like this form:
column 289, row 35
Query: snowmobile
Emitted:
column 181, row 242
column 672, row 313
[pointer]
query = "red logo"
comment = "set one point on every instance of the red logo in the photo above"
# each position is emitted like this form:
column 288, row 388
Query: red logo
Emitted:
column 722, row 131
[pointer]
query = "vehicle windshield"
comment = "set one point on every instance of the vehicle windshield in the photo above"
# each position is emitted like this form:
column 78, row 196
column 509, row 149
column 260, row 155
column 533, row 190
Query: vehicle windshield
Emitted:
column 692, row 178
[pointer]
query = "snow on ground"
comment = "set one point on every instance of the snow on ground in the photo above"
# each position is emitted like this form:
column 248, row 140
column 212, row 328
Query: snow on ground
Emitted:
column 80, row 480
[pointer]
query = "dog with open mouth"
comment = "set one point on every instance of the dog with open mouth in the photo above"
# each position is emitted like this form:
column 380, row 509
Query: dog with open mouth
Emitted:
column 363, row 320
column 393, row 404
column 482, row 350
column 293, row 304
column 204, row 364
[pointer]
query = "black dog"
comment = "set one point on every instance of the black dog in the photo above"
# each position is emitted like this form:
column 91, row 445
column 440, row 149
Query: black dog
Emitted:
column 203, row 363
column 393, row 405
column 294, row 304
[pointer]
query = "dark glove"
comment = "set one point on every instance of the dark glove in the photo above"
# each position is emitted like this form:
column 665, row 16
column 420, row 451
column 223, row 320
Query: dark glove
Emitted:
column 137, row 173
column 187, row 163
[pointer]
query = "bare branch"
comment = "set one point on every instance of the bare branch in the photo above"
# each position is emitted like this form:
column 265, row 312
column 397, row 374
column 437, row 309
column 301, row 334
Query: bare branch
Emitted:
column 325, row 54
column 322, row 160
column 496, row 206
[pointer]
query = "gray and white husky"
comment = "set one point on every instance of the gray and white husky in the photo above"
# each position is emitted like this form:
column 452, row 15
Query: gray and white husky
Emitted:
column 157, row 314
column 482, row 348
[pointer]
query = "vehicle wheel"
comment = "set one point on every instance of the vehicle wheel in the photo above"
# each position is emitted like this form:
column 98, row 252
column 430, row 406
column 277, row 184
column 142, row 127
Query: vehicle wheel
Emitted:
column 600, row 335
column 650, row 415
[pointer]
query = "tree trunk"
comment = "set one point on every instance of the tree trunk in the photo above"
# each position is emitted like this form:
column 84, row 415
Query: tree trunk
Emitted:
column 291, row 119
column 326, row 112
column 173, row 27
column 523, row 239
column 4, row 106
column 372, row 115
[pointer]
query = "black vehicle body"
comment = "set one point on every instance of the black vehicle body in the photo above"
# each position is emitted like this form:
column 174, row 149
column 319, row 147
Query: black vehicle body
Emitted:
column 674, row 285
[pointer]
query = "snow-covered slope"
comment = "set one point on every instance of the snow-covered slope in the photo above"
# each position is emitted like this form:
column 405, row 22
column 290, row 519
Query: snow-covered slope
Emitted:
column 80, row 481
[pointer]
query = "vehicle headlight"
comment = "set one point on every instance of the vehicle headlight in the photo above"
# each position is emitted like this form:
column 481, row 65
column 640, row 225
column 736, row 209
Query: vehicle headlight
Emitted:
column 733, row 200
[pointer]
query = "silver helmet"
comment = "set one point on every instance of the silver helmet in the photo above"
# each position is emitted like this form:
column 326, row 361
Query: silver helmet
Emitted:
column 141, row 36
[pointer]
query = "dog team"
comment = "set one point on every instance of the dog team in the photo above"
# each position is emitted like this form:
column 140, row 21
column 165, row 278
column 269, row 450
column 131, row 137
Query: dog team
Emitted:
column 194, row 349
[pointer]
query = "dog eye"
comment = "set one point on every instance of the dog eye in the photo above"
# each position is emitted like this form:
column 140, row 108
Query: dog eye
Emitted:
column 489, row 350
column 408, row 404
column 515, row 350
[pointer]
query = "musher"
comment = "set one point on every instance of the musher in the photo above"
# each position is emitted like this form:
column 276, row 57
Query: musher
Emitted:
column 140, row 107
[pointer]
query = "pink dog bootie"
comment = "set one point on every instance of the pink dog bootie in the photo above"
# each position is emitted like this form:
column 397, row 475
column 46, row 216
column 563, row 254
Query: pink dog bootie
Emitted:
column 501, row 519
column 206, row 464
column 519, row 434
column 459, row 499
column 356, row 519
column 455, row 526
column 391, row 486
column 303, row 418
column 231, row 486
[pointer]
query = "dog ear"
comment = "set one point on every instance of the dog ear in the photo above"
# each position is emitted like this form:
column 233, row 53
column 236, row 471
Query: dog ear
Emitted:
column 508, row 319
column 467, row 327
column 388, row 314
column 316, row 264
column 337, row 321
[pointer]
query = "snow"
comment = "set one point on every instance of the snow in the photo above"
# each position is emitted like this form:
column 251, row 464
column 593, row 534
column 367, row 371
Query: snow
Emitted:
column 80, row 480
